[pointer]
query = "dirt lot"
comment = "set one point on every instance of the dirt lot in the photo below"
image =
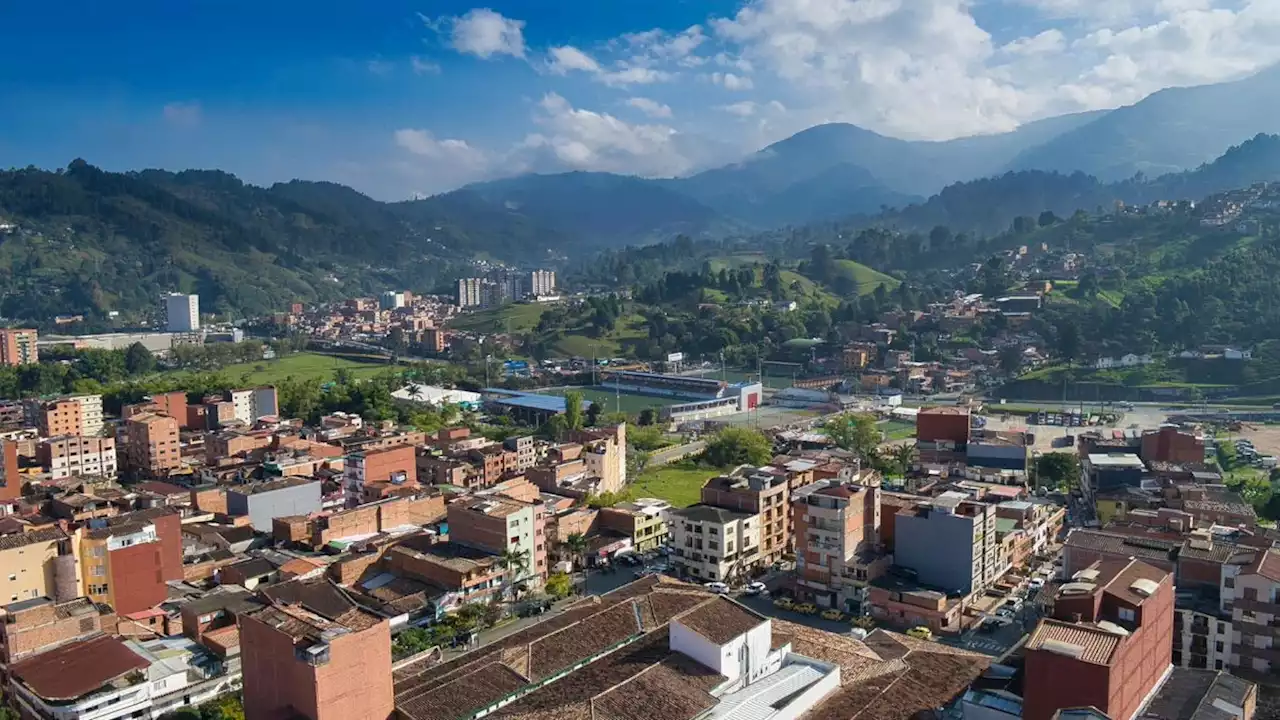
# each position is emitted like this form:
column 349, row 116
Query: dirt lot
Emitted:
column 1266, row 438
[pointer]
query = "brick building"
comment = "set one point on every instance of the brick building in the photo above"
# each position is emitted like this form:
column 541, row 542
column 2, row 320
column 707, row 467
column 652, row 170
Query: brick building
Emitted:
column 1108, row 645
column 764, row 492
column 944, row 423
column 32, row 626
column 127, row 563
column 327, row 660
column 151, row 445
column 18, row 347
column 56, row 418
column 396, row 465
column 74, row 455
column 1172, row 445
column 499, row 524
column 837, row 540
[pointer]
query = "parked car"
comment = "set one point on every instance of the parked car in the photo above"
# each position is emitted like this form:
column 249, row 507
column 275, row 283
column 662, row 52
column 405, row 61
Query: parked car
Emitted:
column 832, row 614
column 784, row 603
column 806, row 609
column 920, row 632
column 1036, row 583
column 717, row 587
column 754, row 588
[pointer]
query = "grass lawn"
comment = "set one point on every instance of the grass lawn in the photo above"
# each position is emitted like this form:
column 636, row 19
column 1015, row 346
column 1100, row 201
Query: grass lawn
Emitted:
column 627, row 403
column 300, row 365
column 679, row 484
column 520, row 317
column 866, row 278
column 895, row 430
column 614, row 344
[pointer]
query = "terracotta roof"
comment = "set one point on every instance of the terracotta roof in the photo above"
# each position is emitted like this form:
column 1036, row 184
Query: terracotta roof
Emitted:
column 11, row 542
column 1097, row 645
column 1267, row 565
column 74, row 670
column 674, row 689
column 1146, row 548
column 161, row 488
column 1121, row 586
column 721, row 620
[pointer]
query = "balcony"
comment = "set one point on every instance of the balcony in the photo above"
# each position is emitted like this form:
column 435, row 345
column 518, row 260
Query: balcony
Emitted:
column 1246, row 628
column 1271, row 655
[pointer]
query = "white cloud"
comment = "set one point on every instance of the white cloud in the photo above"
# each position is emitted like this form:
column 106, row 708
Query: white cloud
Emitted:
column 379, row 67
column 746, row 108
column 483, row 33
column 731, row 81
column 634, row 76
column 652, row 108
column 422, row 66
column 567, row 58
column 586, row 140
column 183, row 114
column 1048, row 42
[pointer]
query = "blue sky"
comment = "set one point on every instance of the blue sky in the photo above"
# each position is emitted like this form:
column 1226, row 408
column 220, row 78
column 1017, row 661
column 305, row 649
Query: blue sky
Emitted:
column 399, row 98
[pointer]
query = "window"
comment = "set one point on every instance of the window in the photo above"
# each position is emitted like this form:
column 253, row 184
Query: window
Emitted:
column 1217, row 665
column 1128, row 615
column 715, row 531
column 713, row 545
column 1218, row 646
column 1222, row 627
column 1229, row 581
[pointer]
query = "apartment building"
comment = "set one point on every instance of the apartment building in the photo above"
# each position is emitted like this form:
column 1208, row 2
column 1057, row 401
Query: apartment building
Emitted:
column 1171, row 444
column 950, row 542
column 76, row 455
column 468, row 575
column 715, row 544
column 151, row 445
column 10, row 478
column 253, row 403
column 646, row 525
column 182, row 313
column 56, row 418
column 90, row 413
column 322, row 660
column 1251, row 595
column 604, row 450
column 1108, row 646
column 837, row 542
column 366, row 468
column 500, row 524
column 263, row 502
column 542, row 282
column 526, row 451
column 18, row 347
column 31, row 566
column 127, row 562
column 474, row 292
column 764, row 492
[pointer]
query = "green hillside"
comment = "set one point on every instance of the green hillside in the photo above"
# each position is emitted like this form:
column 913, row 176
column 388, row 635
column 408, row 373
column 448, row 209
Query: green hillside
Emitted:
column 515, row 318
column 866, row 279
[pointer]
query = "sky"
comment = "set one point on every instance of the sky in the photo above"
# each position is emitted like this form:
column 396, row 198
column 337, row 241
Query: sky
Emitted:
column 401, row 99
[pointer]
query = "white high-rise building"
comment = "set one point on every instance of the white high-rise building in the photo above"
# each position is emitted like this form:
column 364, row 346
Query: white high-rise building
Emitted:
column 183, row 312
column 91, row 413
column 542, row 282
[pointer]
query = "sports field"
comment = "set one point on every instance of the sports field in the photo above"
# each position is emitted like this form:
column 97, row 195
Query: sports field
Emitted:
column 618, row 402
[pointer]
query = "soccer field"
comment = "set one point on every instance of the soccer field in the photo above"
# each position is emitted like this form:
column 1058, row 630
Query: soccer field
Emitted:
column 621, row 402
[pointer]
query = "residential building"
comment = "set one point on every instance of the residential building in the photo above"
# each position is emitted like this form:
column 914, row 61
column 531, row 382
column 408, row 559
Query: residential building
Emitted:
column 182, row 313
column 1252, row 595
column 542, row 282
column 467, row 575
column 151, row 445
column 644, row 524
column 714, row 544
column 1112, row 471
column 391, row 300
column 473, row 292
column 764, row 492
column 945, row 423
column 950, row 543
column 1108, row 646
column 365, row 468
column 901, row 603
column 525, row 449
column 33, row 626
column 74, row 455
column 500, row 524
column 56, row 418
column 18, row 347
column 10, row 478
column 251, row 404
column 837, row 542
column 90, row 413
column 1171, row 444
column 435, row 340
column 317, row 660
column 32, row 566
column 264, row 501
column 126, row 562
column 605, row 452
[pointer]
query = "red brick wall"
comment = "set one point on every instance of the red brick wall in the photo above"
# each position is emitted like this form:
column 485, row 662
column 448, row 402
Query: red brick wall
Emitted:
column 274, row 681
column 356, row 682
column 169, row 531
column 1145, row 656
column 1054, row 681
column 1171, row 445
column 933, row 426
column 382, row 464
column 136, row 577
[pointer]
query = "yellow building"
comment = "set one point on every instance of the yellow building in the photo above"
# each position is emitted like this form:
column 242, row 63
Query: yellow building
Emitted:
column 29, row 565
column 1109, row 508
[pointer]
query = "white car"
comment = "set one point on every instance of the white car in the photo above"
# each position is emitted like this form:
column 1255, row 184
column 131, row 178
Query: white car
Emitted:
column 717, row 587
column 755, row 588
column 1036, row 583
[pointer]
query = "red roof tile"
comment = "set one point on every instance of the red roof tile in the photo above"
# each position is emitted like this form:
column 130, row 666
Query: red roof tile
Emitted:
column 78, row 669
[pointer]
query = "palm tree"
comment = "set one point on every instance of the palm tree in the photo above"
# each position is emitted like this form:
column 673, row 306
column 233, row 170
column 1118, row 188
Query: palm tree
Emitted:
column 517, row 564
column 903, row 456
column 577, row 545
column 415, row 391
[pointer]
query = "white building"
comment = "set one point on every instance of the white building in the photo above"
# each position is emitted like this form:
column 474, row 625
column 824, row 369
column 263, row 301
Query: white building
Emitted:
column 183, row 312
column 391, row 300
column 432, row 395
column 542, row 282
column 90, row 412
column 474, row 292
column 714, row 544
column 254, row 403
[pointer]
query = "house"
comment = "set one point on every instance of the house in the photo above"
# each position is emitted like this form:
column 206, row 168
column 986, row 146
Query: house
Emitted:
column 1129, row 360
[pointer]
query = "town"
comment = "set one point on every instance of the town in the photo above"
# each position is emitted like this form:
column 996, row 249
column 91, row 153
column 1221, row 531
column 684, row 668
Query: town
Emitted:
column 867, row 536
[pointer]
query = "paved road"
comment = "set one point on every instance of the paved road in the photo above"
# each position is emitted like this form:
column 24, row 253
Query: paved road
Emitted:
column 668, row 455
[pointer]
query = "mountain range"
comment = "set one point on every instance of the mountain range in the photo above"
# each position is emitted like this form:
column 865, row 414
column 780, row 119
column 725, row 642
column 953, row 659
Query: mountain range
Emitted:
column 82, row 240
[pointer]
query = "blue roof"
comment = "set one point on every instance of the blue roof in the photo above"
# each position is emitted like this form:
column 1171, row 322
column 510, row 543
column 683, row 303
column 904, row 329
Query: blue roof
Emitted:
column 533, row 401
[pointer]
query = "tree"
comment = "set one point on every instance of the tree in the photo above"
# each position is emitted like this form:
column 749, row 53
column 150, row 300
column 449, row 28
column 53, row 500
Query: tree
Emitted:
column 593, row 414
column 138, row 360
column 576, row 544
column 1011, row 359
column 738, row 446
column 903, row 456
column 573, row 410
column 647, row 416
column 1047, row 218
column 856, row 432
column 1068, row 340
column 1058, row 469
column 517, row 564
column 559, row 585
